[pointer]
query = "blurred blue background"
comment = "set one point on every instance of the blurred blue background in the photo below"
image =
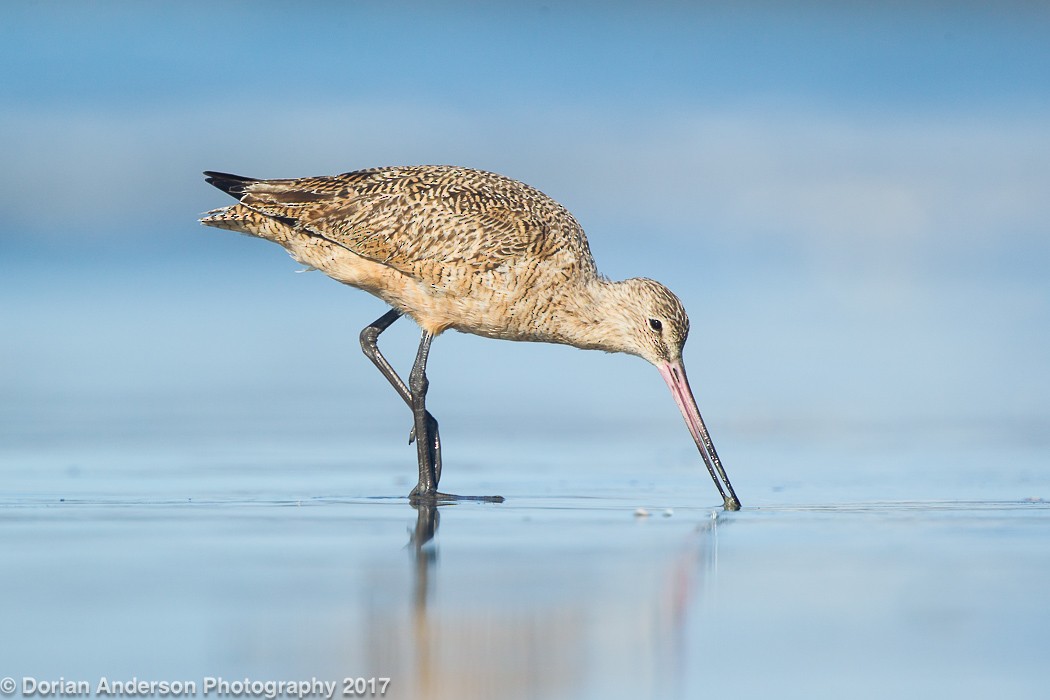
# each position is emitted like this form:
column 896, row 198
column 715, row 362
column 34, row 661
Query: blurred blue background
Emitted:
column 850, row 199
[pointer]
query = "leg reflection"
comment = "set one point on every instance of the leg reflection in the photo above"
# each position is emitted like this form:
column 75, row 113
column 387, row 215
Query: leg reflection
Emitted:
column 427, row 520
column 424, row 550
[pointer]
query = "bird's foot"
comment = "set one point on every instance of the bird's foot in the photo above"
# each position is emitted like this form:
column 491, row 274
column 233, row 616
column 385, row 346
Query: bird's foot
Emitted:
column 424, row 496
column 731, row 503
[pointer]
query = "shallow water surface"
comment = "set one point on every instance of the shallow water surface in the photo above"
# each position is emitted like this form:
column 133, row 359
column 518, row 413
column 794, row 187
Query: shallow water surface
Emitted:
column 551, row 594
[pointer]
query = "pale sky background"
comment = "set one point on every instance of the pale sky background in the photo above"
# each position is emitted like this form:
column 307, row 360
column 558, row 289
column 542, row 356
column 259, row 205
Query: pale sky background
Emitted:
column 850, row 198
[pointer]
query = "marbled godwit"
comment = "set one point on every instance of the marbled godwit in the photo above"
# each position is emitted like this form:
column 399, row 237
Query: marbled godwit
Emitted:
column 472, row 251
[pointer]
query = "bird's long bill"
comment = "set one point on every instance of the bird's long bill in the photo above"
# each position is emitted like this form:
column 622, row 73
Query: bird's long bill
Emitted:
column 674, row 374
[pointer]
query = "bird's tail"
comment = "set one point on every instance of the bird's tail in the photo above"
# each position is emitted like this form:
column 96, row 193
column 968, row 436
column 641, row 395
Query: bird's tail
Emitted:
column 236, row 217
column 244, row 218
column 233, row 185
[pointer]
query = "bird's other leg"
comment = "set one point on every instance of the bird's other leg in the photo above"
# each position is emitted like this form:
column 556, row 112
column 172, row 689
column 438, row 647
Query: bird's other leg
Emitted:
column 370, row 347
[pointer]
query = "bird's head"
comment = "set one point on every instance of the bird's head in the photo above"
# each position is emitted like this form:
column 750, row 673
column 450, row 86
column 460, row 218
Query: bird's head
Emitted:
column 646, row 319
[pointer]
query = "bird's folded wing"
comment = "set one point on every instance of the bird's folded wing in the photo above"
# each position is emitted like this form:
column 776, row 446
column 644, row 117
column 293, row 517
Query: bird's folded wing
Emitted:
column 416, row 234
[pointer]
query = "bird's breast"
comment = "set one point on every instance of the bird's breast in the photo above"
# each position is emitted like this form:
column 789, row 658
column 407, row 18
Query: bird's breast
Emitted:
column 507, row 303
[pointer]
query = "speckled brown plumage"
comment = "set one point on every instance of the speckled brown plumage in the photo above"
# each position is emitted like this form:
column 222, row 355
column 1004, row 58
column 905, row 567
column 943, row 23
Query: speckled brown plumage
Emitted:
column 453, row 248
column 468, row 250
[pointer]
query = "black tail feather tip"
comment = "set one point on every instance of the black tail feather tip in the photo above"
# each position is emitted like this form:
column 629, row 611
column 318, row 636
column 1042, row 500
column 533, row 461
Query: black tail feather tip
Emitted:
column 233, row 185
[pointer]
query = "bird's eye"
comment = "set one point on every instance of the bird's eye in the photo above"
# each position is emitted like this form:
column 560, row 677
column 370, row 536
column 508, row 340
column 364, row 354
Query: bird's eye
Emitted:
column 655, row 324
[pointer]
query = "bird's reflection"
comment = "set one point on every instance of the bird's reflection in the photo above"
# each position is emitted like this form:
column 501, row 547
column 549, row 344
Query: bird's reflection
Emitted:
column 427, row 520
column 424, row 550
column 543, row 621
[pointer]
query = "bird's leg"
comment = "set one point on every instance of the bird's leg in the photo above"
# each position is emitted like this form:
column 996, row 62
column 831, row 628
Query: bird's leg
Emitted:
column 429, row 472
column 370, row 346
column 418, row 385
column 428, row 446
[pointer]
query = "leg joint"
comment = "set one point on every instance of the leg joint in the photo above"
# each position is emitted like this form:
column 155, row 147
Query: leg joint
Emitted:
column 418, row 382
column 370, row 333
column 369, row 340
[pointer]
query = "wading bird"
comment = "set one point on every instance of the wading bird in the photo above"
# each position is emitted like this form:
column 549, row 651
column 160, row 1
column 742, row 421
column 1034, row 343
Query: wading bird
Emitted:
column 475, row 252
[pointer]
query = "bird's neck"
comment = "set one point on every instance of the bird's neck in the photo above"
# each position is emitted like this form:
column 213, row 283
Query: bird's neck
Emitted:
column 594, row 319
